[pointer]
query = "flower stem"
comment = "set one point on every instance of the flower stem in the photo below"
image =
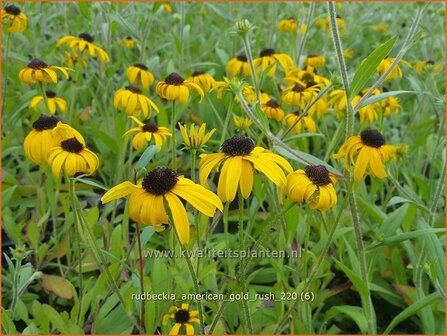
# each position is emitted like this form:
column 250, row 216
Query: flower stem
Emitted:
column 141, row 270
column 300, row 41
column 251, row 63
column 227, row 122
column 173, row 144
column 5, row 84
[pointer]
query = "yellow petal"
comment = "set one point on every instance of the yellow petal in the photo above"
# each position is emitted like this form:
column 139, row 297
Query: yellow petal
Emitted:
column 119, row 191
column 179, row 217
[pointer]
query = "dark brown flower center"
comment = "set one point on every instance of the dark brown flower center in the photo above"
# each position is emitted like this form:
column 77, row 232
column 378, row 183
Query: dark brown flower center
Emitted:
column 242, row 58
column 72, row 145
column 238, row 145
column 430, row 62
column 181, row 316
column 297, row 113
column 198, row 73
column 128, row 38
column 372, row 138
column 318, row 174
column 159, row 181
column 174, row 79
column 140, row 66
column 50, row 94
column 312, row 55
column 45, row 123
column 13, row 10
column 86, row 37
column 150, row 127
column 272, row 103
column 298, row 88
column 133, row 88
column 37, row 64
column 267, row 52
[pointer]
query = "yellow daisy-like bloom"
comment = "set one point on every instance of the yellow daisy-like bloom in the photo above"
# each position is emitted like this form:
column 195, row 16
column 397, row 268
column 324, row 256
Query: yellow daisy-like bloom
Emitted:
column 238, row 65
column 247, row 91
column 38, row 71
column 182, row 317
column 202, row 79
column 430, row 65
column 134, row 101
column 381, row 27
column 84, row 42
column 14, row 19
column 369, row 153
column 71, row 59
column 390, row 105
column 196, row 138
column 272, row 110
column 146, row 132
column 239, row 159
column 299, row 94
column 167, row 7
column 268, row 58
column 139, row 73
column 53, row 103
column 314, row 185
column 174, row 87
column 70, row 154
column 308, row 76
column 320, row 108
column 289, row 25
column 348, row 53
column 315, row 61
column 302, row 123
column 242, row 123
column 369, row 113
column 163, row 184
column 42, row 138
column 128, row 42
column 386, row 63
column 325, row 24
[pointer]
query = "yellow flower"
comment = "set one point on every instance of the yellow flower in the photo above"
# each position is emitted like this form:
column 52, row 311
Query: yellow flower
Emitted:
column 348, row 53
column 148, row 197
column 14, row 19
column 386, row 63
column 167, row 7
column 70, row 154
column 140, row 74
column 134, row 101
column 315, row 61
column 84, row 42
column 238, row 65
column 239, row 159
column 146, row 132
column 174, row 87
column 269, row 59
column 53, row 102
column 182, row 317
column 319, row 108
column 390, row 104
column 272, row 110
column 308, row 76
column 242, row 123
column 314, row 185
column 381, row 27
column 247, row 90
column 430, row 65
column 129, row 42
column 39, row 71
column 289, row 25
column 369, row 113
column 71, row 59
column 300, row 123
column 202, row 79
column 197, row 137
column 41, row 139
column 324, row 23
column 299, row 94
column 369, row 153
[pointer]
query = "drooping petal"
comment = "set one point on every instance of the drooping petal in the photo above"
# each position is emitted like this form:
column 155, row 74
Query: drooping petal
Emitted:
column 121, row 190
column 179, row 217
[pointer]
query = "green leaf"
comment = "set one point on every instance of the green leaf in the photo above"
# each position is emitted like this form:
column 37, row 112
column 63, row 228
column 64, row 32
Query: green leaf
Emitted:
column 146, row 235
column 367, row 68
column 56, row 320
column 84, row 9
column 148, row 154
column 400, row 237
column 375, row 98
column 411, row 310
column 90, row 182
column 355, row 313
column 355, row 279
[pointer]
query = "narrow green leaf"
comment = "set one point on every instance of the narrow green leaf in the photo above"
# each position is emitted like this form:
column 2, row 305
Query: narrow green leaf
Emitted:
column 376, row 98
column 400, row 237
column 148, row 154
column 355, row 313
column 367, row 68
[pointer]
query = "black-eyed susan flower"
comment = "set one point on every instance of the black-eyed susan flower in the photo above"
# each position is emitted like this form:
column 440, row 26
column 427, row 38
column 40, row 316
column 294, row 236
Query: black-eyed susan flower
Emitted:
column 146, row 132
column 367, row 114
column 299, row 94
column 308, row 76
column 163, row 184
column 174, row 87
column 167, row 7
column 72, row 58
column 71, row 154
column 242, row 123
column 83, row 42
column 128, row 42
column 428, row 65
column 133, row 101
column 390, row 105
column 314, row 185
column 369, row 153
column 53, row 102
column 181, row 317
column 268, row 58
column 14, row 19
column 197, row 137
column 238, row 65
column 239, row 159
column 300, row 123
column 325, row 24
column 289, row 25
column 381, row 27
column 315, row 61
column 320, row 108
column 202, row 79
column 38, row 71
column 348, row 53
column 385, row 64
column 140, row 74
column 273, row 110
